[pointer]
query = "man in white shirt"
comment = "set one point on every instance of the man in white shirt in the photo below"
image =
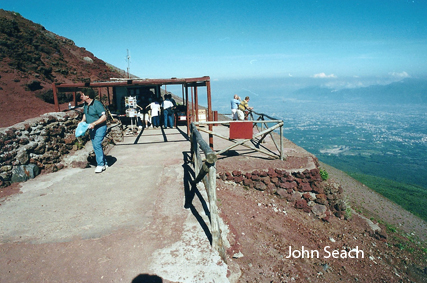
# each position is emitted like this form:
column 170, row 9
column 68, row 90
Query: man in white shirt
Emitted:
column 167, row 106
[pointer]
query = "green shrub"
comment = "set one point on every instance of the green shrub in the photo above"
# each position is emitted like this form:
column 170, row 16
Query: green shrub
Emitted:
column 348, row 213
column 324, row 174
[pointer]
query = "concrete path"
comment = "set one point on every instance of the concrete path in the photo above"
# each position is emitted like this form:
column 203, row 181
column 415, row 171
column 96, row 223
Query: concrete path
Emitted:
column 127, row 224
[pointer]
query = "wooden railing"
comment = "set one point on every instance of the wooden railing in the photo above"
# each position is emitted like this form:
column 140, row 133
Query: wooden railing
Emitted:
column 268, row 130
column 263, row 130
column 205, row 170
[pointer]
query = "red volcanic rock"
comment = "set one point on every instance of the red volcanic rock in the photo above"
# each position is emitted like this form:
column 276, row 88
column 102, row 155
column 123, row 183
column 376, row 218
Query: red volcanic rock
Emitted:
column 236, row 173
column 282, row 194
column 315, row 175
column 275, row 180
column 265, row 180
column 229, row 177
column 291, row 185
column 298, row 175
column 70, row 139
column 282, row 185
column 255, row 177
column 321, row 199
column 271, row 188
column 248, row 182
column 327, row 217
column 263, row 174
column 301, row 204
column 305, row 187
column 306, row 196
column 272, row 173
column 238, row 179
column 319, row 210
column 317, row 188
column 260, row 186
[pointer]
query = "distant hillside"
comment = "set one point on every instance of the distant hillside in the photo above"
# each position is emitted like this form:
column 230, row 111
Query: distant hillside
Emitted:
column 31, row 59
column 408, row 91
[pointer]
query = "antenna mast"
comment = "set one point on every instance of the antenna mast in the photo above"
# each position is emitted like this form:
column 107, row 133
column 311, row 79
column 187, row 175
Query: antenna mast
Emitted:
column 128, row 59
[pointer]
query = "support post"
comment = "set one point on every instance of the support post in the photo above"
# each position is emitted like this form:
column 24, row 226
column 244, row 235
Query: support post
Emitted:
column 74, row 99
column 187, row 110
column 55, row 97
column 210, row 113
column 196, row 104
column 281, row 142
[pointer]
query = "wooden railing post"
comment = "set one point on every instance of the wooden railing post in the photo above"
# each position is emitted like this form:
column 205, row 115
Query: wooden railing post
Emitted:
column 206, row 171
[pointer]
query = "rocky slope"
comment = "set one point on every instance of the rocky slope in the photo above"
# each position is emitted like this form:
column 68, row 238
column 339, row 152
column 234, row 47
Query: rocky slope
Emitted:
column 31, row 59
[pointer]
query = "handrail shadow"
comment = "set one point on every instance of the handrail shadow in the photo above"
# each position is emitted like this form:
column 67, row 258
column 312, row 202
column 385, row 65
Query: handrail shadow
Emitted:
column 190, row 191
column 184, row 134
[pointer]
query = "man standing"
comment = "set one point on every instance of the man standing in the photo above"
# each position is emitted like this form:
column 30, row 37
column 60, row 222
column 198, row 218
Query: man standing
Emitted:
column 94, row 115
column 234, row 105
column 243, row 106
column 167, row 106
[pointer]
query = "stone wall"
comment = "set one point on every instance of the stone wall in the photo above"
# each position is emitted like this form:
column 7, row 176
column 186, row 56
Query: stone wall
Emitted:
column 306, row 190
column 40, row 144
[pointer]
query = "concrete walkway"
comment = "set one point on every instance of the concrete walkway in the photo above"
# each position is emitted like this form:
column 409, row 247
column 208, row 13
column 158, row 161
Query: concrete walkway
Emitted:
column 127, row 224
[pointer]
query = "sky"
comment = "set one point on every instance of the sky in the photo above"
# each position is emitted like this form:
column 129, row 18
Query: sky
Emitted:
column 337, row 41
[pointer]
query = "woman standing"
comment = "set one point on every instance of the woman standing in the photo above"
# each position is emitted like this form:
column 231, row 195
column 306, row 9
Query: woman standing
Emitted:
column 94, row 115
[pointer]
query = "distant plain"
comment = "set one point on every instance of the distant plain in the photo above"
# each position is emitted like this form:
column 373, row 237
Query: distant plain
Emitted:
column 378, row 138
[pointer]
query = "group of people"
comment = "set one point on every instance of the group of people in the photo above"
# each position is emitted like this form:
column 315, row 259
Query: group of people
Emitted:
column 168, row 105
column 239, row 108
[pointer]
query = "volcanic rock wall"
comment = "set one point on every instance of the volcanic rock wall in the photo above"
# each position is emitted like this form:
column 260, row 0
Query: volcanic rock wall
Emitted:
column 39, row 144
column 306, row 190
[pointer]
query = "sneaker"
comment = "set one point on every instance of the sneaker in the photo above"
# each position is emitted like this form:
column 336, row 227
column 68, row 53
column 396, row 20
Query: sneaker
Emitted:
column 99, row 169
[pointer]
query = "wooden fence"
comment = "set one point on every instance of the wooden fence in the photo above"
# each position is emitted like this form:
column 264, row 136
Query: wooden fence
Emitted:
column 205, row 170
column 263, row 130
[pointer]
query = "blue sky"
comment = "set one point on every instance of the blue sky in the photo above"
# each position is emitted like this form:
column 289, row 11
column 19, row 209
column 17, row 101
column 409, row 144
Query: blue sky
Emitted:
column 326, row 40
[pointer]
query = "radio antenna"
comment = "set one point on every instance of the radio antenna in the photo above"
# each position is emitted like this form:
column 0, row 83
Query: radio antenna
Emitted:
column 128, row 59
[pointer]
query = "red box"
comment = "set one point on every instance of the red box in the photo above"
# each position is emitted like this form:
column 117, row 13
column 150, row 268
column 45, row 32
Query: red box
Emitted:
column 241, row 130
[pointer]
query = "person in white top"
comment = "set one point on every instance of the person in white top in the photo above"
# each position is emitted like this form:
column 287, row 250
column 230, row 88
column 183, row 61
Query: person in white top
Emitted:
column 155, row 111
column 167, row 106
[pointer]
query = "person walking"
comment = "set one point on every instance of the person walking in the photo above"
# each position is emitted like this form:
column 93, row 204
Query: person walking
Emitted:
column 234, row 105
column 94, row 115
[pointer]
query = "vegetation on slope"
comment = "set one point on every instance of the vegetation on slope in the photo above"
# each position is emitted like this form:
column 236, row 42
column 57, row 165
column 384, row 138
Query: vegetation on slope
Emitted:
column 410, row 197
